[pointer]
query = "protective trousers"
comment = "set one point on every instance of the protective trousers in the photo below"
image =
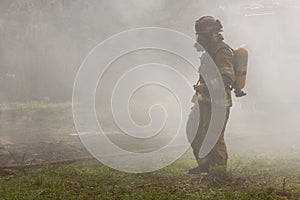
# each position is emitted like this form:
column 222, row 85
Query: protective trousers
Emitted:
column 218, row 155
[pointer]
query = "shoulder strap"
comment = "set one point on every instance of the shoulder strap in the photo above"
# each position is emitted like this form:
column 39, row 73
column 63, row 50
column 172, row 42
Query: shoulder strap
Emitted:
column 225, row 46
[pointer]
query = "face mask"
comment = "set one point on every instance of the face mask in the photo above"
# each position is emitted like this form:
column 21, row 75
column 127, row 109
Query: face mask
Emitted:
column 202, row 41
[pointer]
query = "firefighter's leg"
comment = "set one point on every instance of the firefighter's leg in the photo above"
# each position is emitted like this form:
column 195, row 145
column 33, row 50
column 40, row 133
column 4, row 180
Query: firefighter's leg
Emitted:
column 219, row 155
column 203, row 163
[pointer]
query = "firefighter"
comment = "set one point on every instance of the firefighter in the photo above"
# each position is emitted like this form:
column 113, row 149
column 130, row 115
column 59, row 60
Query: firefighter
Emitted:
column 211, row 43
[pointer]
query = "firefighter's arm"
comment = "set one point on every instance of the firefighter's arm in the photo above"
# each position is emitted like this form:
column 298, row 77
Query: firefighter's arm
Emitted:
column 224, row 62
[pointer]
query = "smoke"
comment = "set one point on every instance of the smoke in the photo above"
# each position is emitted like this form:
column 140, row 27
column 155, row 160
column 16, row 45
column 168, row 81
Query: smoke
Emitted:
column 43, row 44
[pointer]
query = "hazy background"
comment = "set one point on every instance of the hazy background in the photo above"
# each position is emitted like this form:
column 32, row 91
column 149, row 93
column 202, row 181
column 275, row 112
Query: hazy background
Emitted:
column 43, row 43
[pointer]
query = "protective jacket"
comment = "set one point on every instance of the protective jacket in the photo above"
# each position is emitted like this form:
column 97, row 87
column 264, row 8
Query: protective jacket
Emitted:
column 222, row 56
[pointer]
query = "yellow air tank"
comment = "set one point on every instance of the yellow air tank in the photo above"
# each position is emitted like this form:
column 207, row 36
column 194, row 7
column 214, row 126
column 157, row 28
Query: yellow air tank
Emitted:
column 240, row 68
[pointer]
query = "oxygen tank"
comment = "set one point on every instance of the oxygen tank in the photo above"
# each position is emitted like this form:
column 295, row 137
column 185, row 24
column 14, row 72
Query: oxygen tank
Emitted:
column 240, row 68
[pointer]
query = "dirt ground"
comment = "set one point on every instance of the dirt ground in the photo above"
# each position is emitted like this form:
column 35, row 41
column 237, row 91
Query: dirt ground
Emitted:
column 37, row 132
column 40, row 133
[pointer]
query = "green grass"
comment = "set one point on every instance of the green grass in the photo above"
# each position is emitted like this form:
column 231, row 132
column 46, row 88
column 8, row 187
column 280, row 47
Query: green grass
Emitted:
column 247, row 178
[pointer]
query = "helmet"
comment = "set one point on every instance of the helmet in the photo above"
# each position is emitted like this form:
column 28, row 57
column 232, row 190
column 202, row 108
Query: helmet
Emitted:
column 208, row 24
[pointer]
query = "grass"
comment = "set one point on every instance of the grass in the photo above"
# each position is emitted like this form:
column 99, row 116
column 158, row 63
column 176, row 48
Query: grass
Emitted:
column 247, row 178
